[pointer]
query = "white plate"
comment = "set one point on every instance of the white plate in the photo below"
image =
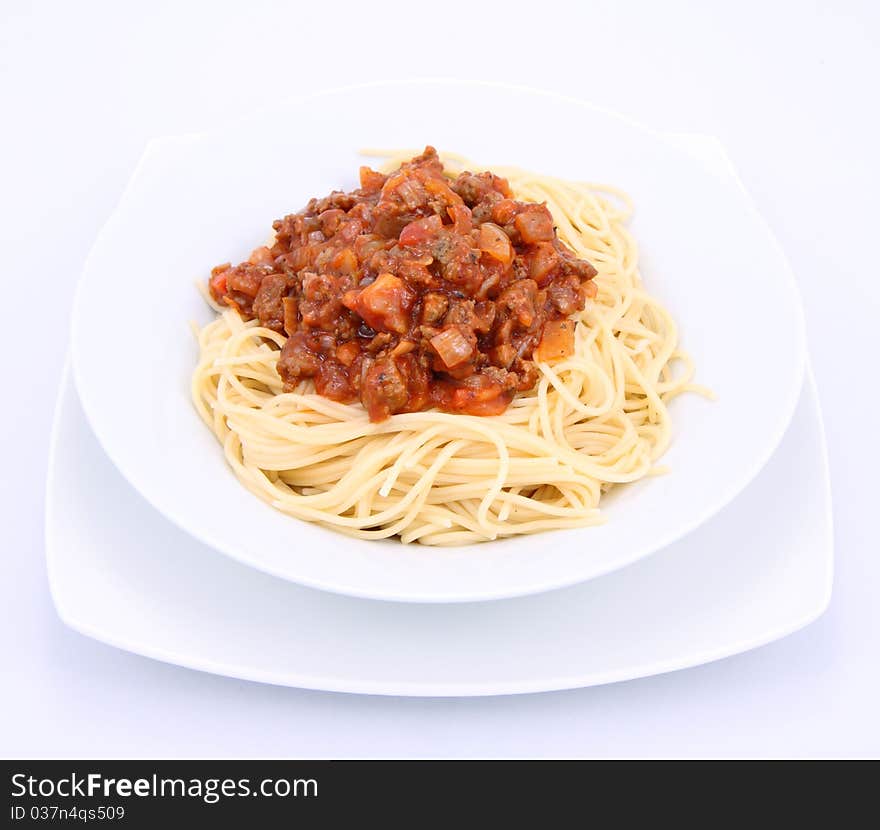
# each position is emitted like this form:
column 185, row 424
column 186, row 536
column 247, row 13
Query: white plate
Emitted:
column 198, row 200
column 122, row 574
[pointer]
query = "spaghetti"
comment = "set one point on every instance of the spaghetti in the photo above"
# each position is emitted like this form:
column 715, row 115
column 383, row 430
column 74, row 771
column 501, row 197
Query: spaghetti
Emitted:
column 595, row 419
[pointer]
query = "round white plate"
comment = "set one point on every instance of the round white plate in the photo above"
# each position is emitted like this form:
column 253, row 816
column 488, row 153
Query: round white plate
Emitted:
column 198, row 200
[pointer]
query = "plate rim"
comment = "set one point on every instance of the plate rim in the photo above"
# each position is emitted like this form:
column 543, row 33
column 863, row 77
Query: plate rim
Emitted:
column 338, row 584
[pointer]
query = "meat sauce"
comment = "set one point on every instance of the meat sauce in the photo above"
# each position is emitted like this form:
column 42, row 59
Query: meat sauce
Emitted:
column 414, row 291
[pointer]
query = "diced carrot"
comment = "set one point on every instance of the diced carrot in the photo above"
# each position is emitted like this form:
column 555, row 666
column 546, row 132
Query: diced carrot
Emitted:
column 557, row 341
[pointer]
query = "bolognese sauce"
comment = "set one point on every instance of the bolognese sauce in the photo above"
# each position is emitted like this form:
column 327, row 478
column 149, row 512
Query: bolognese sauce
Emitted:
column 414, row 291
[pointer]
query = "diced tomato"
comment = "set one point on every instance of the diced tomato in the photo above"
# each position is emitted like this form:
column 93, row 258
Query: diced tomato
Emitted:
column 384, row 304
column 245, row 279
column 535, row 224
column 421, row 231
column 217, row 282
column 371, row 181
column 504, row 211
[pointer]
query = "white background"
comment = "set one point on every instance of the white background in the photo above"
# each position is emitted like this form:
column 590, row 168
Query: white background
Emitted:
column 791, row 90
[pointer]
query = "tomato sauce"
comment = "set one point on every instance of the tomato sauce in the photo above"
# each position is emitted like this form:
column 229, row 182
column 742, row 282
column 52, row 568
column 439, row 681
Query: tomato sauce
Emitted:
column 414, row 291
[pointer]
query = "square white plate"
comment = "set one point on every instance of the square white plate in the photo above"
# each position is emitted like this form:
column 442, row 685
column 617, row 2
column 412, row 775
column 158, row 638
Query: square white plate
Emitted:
column 122, row 574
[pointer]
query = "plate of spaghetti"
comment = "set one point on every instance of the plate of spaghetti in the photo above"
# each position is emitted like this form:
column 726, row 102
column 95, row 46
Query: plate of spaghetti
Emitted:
column 522, row 343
